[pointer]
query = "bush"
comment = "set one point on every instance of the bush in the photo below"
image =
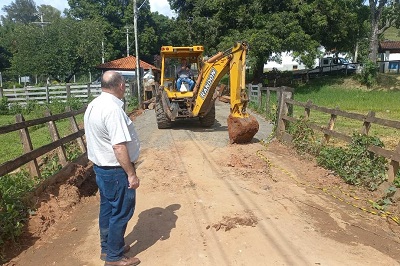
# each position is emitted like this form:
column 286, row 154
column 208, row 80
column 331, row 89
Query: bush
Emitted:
column 369, row 74
column 74, row 103
column 15, row 108
column 56, row 106
column 304, row 138
column 4, row 106
column 33, row 107
column 355, row 164
column 11, row 84
column 13, row 208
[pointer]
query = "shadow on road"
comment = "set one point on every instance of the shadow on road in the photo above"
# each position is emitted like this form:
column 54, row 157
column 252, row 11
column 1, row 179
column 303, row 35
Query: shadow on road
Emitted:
column 195, row 126
column 153, row 225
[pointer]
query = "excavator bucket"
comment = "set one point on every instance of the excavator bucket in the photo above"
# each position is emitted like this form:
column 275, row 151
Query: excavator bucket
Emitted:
column 242, row 129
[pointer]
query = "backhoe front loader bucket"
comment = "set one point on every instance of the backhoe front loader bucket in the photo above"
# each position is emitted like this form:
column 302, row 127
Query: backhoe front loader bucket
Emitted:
column 242, row 129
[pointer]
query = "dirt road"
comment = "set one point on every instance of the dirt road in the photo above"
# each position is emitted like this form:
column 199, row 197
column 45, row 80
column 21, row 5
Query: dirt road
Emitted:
column 205, row 202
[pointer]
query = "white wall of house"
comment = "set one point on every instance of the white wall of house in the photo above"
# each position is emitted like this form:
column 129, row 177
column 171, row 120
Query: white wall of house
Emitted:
column 288, row 63
column 387, row 66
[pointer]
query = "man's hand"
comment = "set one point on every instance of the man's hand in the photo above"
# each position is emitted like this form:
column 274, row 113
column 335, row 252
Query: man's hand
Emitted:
column 133, row 182
column 122, row 155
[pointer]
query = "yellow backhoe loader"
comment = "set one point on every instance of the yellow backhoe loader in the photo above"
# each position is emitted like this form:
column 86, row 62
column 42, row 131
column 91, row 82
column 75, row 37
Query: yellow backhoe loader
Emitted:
column 174, row 103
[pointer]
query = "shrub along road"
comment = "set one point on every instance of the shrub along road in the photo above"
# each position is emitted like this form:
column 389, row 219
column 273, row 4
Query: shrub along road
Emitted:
column 203, row 201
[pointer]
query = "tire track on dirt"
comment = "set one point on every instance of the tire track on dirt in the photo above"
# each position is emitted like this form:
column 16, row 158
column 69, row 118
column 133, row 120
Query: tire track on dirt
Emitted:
column 287, row 252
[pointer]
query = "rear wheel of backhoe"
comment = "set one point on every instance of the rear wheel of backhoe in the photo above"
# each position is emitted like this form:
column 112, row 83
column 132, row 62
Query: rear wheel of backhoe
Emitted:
column 162, row 119
column 209, row 119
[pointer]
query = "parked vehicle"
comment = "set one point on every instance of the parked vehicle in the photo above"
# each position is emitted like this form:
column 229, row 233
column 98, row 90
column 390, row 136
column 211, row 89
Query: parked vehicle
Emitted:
column 331, row 64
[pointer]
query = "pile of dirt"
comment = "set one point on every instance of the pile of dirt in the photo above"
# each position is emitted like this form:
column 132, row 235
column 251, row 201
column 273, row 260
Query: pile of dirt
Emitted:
column 54, row 201
column 228, row 223
column 59, row 198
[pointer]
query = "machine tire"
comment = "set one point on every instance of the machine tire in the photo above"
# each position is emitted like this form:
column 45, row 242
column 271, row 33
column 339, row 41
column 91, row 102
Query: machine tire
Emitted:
column 209, row 119
column 162, row 119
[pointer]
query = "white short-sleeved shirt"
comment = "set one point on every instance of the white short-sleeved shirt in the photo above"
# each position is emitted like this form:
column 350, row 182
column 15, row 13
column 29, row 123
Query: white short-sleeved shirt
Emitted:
column 106, row 124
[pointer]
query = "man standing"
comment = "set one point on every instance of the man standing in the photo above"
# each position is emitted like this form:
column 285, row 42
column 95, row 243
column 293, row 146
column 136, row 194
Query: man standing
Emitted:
column 113, row 147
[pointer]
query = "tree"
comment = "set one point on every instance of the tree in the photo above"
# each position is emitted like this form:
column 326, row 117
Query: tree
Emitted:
column 5, row 53
column 383, row 15
column 49, row 13
column 154, row 30
column 4, row 59
column 21, row 11
column 272, row 26
column 60, row 50
column 113, row 15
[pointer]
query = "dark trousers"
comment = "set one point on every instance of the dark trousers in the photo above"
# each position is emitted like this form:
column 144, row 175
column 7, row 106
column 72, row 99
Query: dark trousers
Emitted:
column 117, row 204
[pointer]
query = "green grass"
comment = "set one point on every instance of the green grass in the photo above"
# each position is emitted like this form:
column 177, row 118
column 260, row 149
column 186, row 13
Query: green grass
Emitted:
column 40, row 136
column 392, row 34
column 347, row 95
column 384, row 103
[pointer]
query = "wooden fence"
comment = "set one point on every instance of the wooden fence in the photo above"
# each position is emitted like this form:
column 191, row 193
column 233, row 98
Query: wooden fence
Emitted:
column 62, row 93
column 287, row 102
column 256, row 91
column 30, row 155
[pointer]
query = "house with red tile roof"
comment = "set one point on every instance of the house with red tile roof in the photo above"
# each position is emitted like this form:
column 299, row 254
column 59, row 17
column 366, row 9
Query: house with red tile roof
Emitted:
column 390, row 54
column 126, row 63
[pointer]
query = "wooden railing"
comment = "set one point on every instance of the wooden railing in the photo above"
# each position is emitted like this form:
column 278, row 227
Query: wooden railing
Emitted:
column 30, row 155
column 256, row 91
column 367, row 121
column 62, row 93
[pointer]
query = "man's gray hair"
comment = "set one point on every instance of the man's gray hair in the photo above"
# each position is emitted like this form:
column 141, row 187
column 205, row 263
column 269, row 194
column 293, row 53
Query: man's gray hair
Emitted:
column 111, row 80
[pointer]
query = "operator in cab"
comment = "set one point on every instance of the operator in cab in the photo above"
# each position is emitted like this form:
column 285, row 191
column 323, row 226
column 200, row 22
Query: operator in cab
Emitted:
column 184, row 74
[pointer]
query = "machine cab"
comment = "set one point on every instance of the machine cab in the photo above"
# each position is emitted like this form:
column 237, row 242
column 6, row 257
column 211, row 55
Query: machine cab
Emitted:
column 171, row 62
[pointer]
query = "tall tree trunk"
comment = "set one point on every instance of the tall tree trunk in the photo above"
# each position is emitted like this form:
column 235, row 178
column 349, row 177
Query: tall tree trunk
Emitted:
column 373, row 43
column 258, row 72
column 376, row 7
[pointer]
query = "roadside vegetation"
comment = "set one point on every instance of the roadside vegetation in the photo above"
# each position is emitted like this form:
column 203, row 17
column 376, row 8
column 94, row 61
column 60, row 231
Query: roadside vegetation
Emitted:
column 14, row 187
column 351, row 161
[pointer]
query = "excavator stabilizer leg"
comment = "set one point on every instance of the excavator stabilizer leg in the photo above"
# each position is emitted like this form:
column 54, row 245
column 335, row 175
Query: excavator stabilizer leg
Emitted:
column 242, row 129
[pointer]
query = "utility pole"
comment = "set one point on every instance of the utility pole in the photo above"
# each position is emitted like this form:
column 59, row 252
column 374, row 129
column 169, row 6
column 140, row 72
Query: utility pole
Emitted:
column 102, row 52
column 41, row 23
column 135, row 11
column 127, row 40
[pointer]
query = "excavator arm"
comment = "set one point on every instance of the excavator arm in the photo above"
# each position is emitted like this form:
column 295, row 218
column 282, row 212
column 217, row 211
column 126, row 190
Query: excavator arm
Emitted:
column 241, row 126
column 233, row 61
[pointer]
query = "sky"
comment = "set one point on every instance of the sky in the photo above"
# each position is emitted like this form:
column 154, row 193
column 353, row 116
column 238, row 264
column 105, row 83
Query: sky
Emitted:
column 161, row 6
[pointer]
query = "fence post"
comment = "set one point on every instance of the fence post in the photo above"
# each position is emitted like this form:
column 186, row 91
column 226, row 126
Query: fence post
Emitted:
column 367, row 125
column 291, row 90
column 268, row 105
column 331, row 124
column 88, row 90
column 393, row 167
column 26, row 94
column 47, row 94
column 68, row 89
column 259, row 95
column 133, row 88
column 307, row 110
column 75, row 129
column 55, row 136
column 33, row 166
column 283, row 110
column 1, row 92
